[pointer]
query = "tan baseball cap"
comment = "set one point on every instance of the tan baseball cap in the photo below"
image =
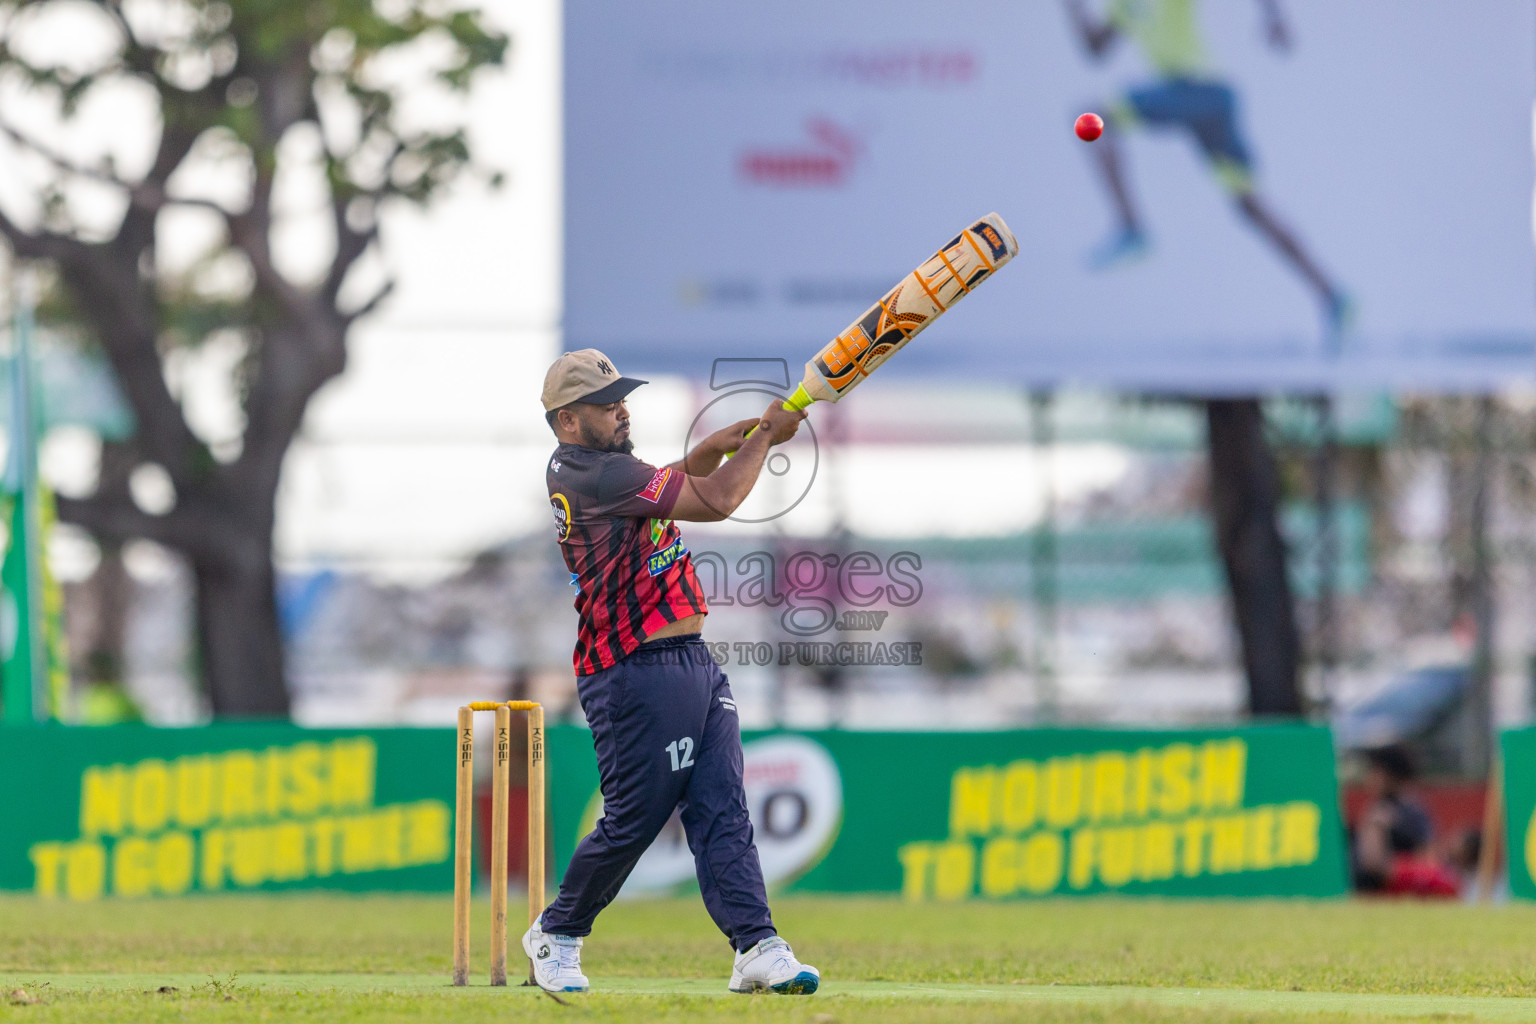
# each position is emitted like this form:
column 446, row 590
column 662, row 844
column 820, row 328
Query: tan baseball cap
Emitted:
column 585, row 375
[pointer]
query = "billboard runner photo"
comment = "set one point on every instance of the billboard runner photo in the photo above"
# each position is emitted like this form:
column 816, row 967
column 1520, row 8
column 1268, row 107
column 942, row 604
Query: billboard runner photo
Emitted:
column 1188, row 94
column 662, row 715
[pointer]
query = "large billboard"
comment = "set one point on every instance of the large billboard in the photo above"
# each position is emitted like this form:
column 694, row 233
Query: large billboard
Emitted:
column 1337, row 196
column 1026, row 813
column 131, row 811
column 1519, row 749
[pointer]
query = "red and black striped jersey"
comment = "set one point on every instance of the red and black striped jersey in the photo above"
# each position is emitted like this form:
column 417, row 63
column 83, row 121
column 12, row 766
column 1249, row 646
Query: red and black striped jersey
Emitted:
column 627, row 560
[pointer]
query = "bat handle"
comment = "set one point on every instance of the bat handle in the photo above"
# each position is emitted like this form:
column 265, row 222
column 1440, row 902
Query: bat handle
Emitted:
column 798, row 401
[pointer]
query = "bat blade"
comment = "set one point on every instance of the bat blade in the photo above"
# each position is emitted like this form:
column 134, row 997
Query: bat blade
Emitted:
column 920, row 298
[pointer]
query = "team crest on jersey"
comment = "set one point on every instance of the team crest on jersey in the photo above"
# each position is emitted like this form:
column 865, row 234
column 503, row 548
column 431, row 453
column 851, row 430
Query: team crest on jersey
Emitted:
column 652, row 491
column 562, row 510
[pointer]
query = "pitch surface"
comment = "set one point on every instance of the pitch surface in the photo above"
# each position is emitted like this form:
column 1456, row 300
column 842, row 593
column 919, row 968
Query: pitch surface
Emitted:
column 386, row 959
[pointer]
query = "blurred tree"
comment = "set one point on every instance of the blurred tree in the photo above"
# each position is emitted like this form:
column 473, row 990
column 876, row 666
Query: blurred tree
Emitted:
column 101, row 658
column 244, row 100
column 1245, row 507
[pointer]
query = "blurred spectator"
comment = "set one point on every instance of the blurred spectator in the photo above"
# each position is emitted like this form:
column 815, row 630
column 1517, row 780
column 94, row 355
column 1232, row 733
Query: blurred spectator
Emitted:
column 1390, row 846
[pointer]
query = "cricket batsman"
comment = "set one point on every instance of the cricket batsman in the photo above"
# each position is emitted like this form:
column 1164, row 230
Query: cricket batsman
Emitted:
column 662, row 715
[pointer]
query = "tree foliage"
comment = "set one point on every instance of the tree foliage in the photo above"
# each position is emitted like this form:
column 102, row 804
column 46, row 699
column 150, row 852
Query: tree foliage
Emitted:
column 242, row 100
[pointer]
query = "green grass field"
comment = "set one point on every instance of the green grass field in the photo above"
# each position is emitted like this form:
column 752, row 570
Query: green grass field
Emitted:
column 323, row 958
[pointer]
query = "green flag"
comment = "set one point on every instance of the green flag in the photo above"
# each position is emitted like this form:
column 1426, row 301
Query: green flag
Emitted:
column 29, row 690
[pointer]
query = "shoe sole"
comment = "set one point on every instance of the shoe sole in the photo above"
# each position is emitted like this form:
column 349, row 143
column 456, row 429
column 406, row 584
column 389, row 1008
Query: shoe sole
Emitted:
column 560, row 991
column 803, row 984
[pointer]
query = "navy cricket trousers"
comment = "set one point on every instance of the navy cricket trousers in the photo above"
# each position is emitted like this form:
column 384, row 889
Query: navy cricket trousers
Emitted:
column 665, row 730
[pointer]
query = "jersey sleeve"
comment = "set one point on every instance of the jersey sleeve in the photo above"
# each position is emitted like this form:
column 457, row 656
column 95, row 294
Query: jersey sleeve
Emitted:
column 628, row 487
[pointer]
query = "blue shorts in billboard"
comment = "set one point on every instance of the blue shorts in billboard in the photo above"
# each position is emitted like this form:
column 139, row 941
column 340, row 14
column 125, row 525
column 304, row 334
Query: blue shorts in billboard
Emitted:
column 1206, row 108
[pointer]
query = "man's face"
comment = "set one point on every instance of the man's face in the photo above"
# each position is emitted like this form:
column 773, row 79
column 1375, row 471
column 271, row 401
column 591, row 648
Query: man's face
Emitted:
column 604, row 427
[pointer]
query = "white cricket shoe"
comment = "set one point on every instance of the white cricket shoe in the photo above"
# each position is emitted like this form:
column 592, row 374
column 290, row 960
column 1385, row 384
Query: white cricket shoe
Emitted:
column 770, row 966
column 556, row 959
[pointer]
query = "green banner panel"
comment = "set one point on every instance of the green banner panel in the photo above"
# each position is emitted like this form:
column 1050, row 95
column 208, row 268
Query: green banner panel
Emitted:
column 136, row 811
column 1519, row 749
column 1050, row 812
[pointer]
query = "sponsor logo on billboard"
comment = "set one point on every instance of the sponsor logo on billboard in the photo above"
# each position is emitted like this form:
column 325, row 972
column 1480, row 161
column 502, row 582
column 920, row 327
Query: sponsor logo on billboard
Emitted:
column 302, row 813
column 795, row 798
column 937, row 66
column 825, row 159
column 1108, row 819
column 693, row 292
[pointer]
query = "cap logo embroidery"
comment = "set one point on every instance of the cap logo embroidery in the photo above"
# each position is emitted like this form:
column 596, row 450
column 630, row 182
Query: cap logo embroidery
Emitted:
column 602, row 365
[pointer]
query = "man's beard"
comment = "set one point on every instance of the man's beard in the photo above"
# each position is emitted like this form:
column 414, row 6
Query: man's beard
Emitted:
column 590, row 439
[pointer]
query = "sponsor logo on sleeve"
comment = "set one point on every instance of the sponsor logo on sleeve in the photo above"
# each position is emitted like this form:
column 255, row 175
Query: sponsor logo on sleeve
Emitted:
column 659, row 531
column 652, row 491
column 562, row 510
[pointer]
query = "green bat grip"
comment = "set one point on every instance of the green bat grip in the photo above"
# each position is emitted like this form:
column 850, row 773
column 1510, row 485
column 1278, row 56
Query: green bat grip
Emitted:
column 798, row 401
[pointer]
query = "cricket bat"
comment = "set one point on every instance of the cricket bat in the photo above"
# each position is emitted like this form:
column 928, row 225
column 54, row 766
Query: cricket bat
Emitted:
column 921, row 297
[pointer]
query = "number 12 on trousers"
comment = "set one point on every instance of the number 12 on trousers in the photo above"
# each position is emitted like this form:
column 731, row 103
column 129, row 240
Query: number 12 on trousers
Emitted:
column 681, row 752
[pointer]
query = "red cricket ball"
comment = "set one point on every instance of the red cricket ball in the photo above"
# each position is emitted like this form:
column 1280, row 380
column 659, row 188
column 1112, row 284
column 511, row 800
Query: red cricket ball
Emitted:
column 1089, row 127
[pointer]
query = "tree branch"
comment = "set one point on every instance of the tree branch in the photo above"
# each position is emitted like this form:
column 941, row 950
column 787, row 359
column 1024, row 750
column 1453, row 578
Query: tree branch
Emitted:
column 39, row 245
column 127, row 333
column 149, row 194
column 119, row 520
column 137, row 56
column 350, row 246
column 122, row 313
column 373, row 303
column 292, row 367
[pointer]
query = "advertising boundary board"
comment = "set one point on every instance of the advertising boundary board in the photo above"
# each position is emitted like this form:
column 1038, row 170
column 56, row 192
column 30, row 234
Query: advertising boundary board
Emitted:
column 1047, row 812
column 1518, row 750
column 133, row 810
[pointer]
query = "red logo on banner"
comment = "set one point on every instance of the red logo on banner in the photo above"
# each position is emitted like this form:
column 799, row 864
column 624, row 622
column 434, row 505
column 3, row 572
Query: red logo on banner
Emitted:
column 824, row 163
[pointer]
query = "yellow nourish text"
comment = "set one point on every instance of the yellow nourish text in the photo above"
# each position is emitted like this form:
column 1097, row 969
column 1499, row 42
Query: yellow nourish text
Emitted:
column 237, row 819
column 1106, row 820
